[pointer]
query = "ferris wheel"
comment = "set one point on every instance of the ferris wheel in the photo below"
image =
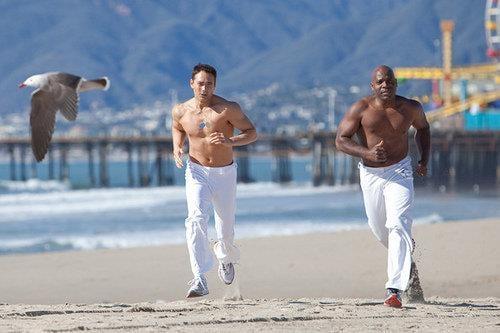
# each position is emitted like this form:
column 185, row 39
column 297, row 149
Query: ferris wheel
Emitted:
column 492, row 26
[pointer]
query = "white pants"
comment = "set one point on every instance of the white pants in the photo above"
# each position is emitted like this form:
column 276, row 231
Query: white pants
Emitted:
column 208, row 187
column 388, row 196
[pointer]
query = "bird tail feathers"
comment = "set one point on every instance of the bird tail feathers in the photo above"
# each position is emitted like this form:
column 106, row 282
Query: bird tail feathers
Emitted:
column 102, row 83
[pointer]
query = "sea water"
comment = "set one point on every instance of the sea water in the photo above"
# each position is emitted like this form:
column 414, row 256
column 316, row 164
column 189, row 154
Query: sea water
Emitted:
column 41, row 215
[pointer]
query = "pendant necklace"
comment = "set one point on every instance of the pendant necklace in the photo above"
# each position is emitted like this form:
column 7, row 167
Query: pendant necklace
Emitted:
column 204, row 123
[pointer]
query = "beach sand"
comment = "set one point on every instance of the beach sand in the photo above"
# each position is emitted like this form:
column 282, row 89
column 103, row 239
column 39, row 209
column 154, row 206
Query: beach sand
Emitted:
column 316, row 282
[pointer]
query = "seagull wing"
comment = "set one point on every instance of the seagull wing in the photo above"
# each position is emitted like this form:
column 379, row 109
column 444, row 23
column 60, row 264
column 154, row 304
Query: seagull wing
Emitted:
column 67, row 102
column 42, row 121
column 68, row 80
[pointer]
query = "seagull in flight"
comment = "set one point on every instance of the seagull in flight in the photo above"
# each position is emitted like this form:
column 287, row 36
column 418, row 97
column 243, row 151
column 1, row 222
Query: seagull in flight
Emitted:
column 56, row 91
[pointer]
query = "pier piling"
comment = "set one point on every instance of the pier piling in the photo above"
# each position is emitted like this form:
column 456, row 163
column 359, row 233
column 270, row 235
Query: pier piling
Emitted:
column 281, row 167
column 103, row 164
column 90, row 155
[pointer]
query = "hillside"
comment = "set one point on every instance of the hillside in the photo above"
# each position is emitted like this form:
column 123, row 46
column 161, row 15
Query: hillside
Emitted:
column 149, row 47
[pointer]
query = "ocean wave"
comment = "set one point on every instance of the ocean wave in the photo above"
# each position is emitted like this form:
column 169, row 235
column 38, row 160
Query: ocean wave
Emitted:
column 91, row 242
column 291, row 189
column 19, row 206
column 36, row 247
column 428, row 219
column 36, row 205
column 33, row 186
column 162, row 237
column 176, row 235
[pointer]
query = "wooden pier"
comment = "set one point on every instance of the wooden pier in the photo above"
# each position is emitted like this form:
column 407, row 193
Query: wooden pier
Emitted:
column 137, row 149
column 459, row 160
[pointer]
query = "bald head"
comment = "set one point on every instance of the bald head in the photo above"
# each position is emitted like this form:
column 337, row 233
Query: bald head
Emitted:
column 384, row 83
column 384, row 70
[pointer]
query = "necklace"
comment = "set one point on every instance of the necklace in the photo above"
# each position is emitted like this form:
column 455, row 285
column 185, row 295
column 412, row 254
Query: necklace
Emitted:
column 204, row 123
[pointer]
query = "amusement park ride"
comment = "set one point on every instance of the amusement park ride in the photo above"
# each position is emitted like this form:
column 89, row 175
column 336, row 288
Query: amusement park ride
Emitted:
column 484, row 72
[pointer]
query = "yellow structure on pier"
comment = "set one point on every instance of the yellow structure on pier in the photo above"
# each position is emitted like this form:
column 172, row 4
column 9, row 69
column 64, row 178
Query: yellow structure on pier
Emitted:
column 448, row 73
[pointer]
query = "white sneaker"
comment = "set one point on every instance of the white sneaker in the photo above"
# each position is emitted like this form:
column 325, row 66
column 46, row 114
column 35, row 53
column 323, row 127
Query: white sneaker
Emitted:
column 226, row 273
column 198, row 287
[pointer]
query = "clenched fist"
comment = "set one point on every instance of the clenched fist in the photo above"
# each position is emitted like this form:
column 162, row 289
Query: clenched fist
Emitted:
column 377, row 153
column 218, row 138
column 178, row 153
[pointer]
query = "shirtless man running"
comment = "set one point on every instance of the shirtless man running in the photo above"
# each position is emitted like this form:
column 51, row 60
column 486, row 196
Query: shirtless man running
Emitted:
column 208, row 121
column 381, row 123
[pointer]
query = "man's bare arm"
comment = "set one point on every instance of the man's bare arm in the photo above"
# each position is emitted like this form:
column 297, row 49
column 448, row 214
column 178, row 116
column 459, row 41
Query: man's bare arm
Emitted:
column 422, row 138
column 241, row 122
column 178, row 136
column 348, row 127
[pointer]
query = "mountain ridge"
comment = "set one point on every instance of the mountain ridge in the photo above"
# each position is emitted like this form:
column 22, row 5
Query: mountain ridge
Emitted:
column 149, row 48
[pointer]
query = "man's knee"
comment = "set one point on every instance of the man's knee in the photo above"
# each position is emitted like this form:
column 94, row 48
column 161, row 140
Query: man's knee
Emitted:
column 379, row 230
column 401, row 228
column 196, row 220
column 399, row 222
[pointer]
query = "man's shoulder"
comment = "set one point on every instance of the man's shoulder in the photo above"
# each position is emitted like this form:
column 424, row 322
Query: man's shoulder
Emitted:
column 408, row 102
column 220, row 102
column 180, row 109
column 185, row 104
column 361, row 104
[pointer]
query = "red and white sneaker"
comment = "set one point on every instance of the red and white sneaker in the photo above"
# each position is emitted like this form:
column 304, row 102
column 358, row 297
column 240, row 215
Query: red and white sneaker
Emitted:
column 393, row 299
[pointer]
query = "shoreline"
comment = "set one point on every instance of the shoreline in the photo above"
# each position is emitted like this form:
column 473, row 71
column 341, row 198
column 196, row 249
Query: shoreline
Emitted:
column 242, row 234
column 454, row 260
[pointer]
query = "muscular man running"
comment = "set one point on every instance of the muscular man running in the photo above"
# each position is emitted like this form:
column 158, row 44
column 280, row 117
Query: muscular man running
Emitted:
column 381, row 123
column 208, row 121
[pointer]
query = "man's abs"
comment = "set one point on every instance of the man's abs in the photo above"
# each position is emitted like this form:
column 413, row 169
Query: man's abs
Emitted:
column 210, row 155
column 396, row 149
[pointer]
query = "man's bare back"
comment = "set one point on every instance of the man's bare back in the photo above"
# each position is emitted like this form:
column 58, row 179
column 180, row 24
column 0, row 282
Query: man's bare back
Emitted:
column 381, row 123
column 208, row 121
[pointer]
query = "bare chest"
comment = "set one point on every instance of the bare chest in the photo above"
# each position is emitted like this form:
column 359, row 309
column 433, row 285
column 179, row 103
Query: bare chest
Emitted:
column 386, row 121
column 203, row 123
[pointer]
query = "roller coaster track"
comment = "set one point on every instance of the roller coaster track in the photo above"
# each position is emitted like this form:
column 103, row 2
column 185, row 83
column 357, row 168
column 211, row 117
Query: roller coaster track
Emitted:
column 476, row 72
column 461, row 106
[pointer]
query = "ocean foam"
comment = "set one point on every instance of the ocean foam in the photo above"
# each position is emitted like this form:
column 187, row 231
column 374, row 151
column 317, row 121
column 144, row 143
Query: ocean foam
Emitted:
column 54, row 218
column 33, row 186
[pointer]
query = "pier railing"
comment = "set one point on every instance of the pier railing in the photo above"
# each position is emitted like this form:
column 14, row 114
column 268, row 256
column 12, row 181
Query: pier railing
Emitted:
column 458, row 159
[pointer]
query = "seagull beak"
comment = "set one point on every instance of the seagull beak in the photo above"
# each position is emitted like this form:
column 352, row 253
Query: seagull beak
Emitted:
column 22, row 85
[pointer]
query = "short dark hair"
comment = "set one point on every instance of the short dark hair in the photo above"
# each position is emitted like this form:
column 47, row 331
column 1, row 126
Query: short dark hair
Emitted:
column 204, row 68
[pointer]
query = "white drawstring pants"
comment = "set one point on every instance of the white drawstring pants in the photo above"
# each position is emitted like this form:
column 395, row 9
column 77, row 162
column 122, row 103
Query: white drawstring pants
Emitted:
column 388, row 197
column 208, row 187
